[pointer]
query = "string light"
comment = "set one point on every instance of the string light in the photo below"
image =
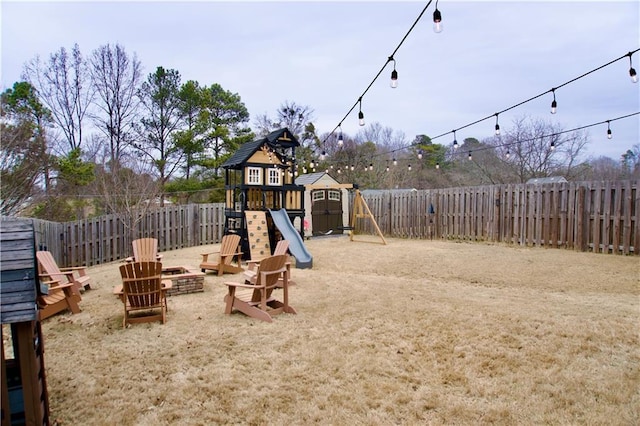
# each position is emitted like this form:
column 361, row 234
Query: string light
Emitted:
column 409, row 167
column 437, row 20
column 394, row 74
column 371, row 166
column 553, row 145
column 419, row 154
column 470, row 156
column 497, row 125
column 508, row 154
column 340, row 137
column 360, row 114
column 554, row 104
column 455, row 141
column 395, row 162
column 540, row 95
column 632, row 71
column 437, row 165
column 609, row 135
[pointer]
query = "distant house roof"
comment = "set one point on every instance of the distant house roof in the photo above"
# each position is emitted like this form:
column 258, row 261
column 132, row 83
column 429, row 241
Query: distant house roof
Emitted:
column 281, row 138
column 550, row 179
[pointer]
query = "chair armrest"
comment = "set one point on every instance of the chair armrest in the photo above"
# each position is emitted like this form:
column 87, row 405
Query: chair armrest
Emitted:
column 232, row 284
column 167, row 284
column 74, row 268
column 117, row 290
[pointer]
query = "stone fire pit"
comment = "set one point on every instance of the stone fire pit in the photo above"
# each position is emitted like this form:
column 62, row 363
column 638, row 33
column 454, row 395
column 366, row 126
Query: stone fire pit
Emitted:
column 185, row 279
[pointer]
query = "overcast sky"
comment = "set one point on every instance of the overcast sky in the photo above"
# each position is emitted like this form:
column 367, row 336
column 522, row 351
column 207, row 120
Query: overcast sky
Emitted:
column 491, row 55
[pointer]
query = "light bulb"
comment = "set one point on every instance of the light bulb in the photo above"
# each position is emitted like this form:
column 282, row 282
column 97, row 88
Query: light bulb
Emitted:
column 437, row 21
column 470, row 156
column 409, row 167
column 340, row 138
column 554, row 107
column 633, row 75
column 361, row 118
column 497, row 129
column 395, row 162
column 609, row 135
column 437, row 166
column 394, row 79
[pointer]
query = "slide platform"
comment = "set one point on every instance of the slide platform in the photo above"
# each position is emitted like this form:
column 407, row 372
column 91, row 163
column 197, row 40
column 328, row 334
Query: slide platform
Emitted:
column 304, row 260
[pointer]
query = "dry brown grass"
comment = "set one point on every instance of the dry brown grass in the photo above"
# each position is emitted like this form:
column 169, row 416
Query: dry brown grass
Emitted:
column 414, row 332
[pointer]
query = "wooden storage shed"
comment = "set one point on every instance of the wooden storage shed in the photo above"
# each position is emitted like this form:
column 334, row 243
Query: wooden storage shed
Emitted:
column 327, row 203
column 24, row 389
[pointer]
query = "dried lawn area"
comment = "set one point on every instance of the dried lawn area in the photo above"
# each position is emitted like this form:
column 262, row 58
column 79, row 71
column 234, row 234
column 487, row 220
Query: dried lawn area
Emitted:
column 414, row 332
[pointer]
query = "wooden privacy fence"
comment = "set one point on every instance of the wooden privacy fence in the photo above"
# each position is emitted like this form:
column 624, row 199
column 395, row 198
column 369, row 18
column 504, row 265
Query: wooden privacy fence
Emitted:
column 106, row 239
column 602, row 217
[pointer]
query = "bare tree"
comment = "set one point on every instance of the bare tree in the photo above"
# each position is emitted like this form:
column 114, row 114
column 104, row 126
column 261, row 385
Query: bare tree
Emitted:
column 128, row 191
column 116, row 78
column 63, row 86
column 536, row 148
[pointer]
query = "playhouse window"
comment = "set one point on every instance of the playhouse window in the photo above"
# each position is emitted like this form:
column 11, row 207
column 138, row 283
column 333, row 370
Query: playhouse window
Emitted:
column 275, row 177
column 254, row 176
column 334, row 195
column 318, row 195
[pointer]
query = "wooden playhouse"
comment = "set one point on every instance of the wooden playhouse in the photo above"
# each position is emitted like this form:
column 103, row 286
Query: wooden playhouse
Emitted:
column 260, row 176
column 24, row 389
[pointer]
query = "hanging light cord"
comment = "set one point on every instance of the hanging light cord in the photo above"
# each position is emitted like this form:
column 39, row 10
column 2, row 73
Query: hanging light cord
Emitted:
column 389, row 59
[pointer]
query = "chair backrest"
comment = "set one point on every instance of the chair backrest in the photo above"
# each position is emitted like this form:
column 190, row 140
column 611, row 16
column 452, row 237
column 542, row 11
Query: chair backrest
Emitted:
column 230, row 244
column 281, row 248
column 145, row 249
column 49, row 266
column 142, row 283
column 269, row 264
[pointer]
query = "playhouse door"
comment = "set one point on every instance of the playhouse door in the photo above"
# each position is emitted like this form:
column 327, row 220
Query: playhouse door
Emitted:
column 326, row 211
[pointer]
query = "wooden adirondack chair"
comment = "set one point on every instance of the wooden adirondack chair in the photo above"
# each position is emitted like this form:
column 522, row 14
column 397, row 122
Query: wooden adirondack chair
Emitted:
column 59, row 297
column 143, row 291
column 145, row 250
column 229, row 250
column 256, row 300
column 49, row 271
column 252, row 266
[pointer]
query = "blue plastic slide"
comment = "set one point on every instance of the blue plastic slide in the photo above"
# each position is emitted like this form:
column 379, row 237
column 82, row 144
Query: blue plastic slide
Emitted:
column 304, row 260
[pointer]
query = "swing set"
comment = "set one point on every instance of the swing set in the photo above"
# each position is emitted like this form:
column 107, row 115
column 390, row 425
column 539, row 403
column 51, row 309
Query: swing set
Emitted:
column 360, row 210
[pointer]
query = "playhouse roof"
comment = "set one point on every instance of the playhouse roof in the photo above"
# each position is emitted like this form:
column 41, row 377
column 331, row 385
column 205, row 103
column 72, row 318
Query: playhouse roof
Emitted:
column 281, row 138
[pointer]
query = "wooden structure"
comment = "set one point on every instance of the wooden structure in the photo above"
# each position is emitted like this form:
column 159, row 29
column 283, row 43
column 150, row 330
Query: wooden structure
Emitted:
column 227, row 259
column 361, row 211
column 145, row 250
column 326, row 203
column 48, row 269
column 595, row 216
column 256, row 300
column 260, row 176
column 24, row 387
column 143, row 292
